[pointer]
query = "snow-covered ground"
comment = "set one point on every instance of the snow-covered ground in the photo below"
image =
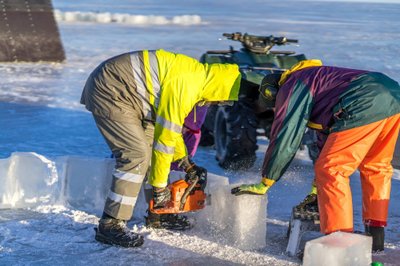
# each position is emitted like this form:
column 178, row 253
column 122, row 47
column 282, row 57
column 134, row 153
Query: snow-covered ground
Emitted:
column 40, row 113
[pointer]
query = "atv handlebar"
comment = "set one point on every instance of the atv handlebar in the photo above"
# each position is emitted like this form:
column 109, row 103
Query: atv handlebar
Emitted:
column 258, row 44
column 237, row 36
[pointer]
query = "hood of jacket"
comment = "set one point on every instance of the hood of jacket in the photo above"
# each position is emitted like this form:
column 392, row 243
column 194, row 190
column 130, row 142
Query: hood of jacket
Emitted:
column 222, row 83
column 300, row 65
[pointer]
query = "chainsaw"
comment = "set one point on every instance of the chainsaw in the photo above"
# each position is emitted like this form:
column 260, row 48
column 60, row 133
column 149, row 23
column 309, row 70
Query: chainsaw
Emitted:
column 185, row 197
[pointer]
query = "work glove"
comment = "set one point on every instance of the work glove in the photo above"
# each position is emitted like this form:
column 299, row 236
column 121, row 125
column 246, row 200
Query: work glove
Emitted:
column 253, row 189
column 193, row 172
column 161, row 196
column 197, row 172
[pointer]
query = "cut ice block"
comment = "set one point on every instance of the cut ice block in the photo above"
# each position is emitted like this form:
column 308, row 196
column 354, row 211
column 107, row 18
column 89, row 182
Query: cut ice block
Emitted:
column 216, row 211
column 86, row 181
column 238, row 221
column 338, row 249
column 298, row 229
column 26, row 179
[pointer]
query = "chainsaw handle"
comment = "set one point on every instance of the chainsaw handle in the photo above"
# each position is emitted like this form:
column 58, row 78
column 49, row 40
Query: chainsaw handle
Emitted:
column 187, row 192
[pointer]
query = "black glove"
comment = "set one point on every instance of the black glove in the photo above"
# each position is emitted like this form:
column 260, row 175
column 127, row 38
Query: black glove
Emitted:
column 197, row 172
column 161, row 196
column 193, row 172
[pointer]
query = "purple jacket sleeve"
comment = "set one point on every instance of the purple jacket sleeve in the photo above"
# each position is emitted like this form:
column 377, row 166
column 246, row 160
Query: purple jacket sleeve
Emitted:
column 191, row 130
column 196, row 117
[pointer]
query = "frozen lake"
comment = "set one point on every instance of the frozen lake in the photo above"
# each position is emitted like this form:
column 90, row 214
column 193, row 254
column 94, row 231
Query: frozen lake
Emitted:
column 41, row 113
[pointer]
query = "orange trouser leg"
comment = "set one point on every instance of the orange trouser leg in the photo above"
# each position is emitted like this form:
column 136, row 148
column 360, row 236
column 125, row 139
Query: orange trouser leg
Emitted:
column 376, row 174
column 340, row 157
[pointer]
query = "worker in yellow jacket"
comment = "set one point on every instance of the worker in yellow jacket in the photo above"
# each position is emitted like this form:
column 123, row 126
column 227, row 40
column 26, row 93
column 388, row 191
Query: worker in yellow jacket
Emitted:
column 139, row 101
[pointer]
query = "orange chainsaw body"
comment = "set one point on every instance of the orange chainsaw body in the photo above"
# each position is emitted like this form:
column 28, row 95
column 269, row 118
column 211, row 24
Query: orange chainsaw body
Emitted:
column 194, row 201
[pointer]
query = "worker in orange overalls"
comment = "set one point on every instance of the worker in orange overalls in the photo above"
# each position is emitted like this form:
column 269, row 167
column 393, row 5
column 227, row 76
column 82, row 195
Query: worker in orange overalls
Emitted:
column 357, row 116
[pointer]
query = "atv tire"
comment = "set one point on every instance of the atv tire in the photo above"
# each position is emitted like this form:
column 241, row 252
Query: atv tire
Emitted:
column 235, row 136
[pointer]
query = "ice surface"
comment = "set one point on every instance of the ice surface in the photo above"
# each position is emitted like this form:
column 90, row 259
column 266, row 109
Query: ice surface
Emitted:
column 27, row 179
column 339, row 249
column 236, row 221
column 355, row 35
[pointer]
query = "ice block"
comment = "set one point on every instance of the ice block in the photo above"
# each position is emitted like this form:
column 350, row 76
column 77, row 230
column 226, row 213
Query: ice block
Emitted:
column 338, row 249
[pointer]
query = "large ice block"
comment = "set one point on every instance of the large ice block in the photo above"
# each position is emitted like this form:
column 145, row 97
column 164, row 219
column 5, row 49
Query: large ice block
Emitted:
column 85, row 181
column 238, row 221
column 27, row 179
column 338, row 249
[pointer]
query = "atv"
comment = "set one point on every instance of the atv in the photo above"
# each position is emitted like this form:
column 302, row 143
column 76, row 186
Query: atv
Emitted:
column 233, row 130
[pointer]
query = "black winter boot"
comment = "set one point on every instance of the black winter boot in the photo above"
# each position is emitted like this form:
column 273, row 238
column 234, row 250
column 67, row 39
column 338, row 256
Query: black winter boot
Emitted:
column 167, row 221
column 307, row 209
column 378, row 237
column 115, row 232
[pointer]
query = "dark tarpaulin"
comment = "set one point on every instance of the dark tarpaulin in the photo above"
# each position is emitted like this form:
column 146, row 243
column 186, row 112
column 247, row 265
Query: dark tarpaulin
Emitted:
column 28, row 32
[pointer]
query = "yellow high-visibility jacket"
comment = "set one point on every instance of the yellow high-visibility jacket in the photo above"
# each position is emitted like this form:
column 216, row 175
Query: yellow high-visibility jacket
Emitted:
column 162, row 87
